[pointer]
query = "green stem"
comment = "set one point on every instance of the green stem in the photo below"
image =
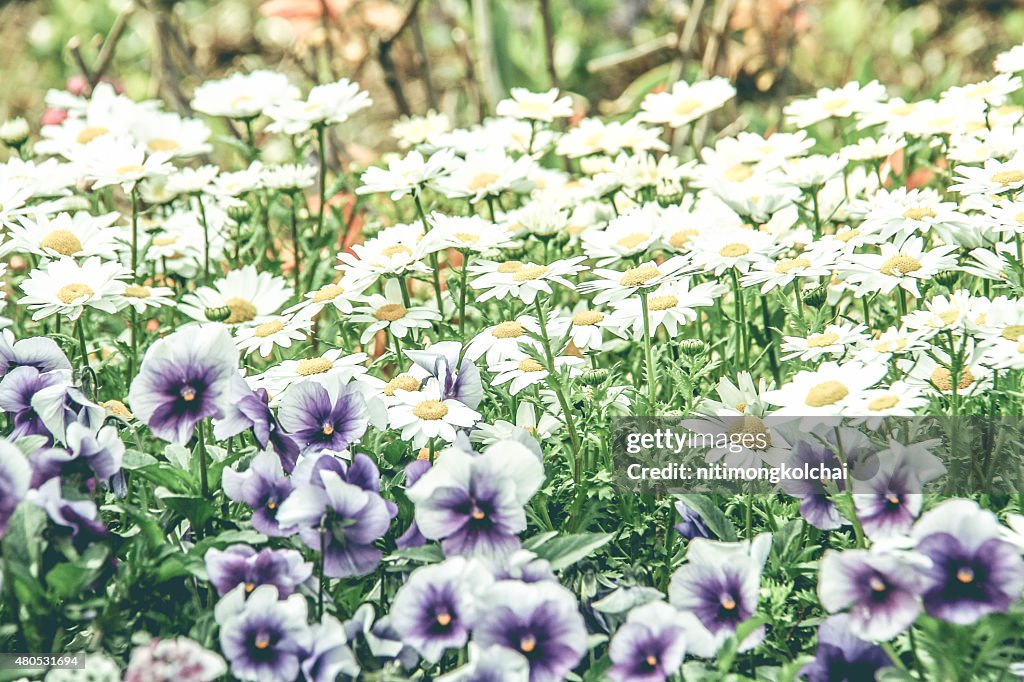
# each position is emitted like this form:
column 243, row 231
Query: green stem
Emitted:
column 648, row 352
column 135, row 231
column 204, row 461
column 322, row 148
column 556, row 384
column 206, row 238
column 433, row 257
column 83, row 353
column 462, row 297
column 296, row 248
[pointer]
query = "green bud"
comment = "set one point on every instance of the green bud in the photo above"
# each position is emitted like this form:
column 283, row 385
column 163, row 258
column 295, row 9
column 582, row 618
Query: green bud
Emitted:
column 240, row 213
column 218, row 314
column 693, row 347
column 594, row 377
column 947, row 278
column 815, row 298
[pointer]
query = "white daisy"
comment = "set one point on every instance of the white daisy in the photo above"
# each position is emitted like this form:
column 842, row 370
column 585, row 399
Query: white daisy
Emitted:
column 276, row 331
column 828, row 390
column 672, row 306
column 423, row 415
column 523, row 280
column 141, row 297
column 834, row 339
column 332, row 364
column 327, row 104
column 249, row 296
column 535, row 106
column 686, row 102
column 389, row 312
column 504, row 340
column 65, row 287
column 80, row 235
column 243, row 95
column 898, row 265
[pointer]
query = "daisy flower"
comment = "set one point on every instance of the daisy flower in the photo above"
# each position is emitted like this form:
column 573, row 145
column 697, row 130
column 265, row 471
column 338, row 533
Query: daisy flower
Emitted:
column 904, row 213
column 1010, row 61
column 686, row 102
column 169, row 134
column 899, row 400
column 332, row 364
column 535, row 106
column 626, row 235
column 828, row 103
column 80, row 235
column 994, row 177
column 465, row 233
column 141, row 298
column 672, row 305
column 504, row 340
column 742, row 397
column 941, row 313
column 337, row 294
column 828, row 390
column 585, row 328
column 410, row 131
column 526, row 420
column 243, row 95
column 423, row 415
column 276, row 331
column 933, row 372
column 615, row 285
column 327, row 104
column 389, row 312
column 289, row 177
column 780, row 273
column 526, row 371
column 406, row 175
column 594, row 136
column 523, row 280
column 248, row 295
column 992, row 92
column 898, row 265
column 65, row 287
column 487, row 173
column 835, row 339
column 395, row 251
column 721, row 250
column 110, row 161
column 891, row 342
column 807, row 172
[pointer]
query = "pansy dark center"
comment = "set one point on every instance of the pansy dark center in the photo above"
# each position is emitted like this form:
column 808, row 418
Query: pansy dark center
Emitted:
column 444, row 619
column 328, row 429
column 188, row 393
column 965, row 574
column 651, row 661
column 876, row 584
column 249, row 587
column 727, row 602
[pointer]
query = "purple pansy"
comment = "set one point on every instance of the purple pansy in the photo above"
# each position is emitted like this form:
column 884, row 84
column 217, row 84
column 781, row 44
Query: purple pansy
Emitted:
column 237, row 565
column 436, row 607
column 843, row 657
column 340, row 519
column 650, row 646
column 412, row 537
column 719, row 587
column 815, row 504
column 541, row 621
column 973, row 571
column 460, row 381
column 98, row 454
column 263, row 638
column 493, row 664
column 690, row 525
column 15, row 475
column 250, row 410
column 263, row 487
column 474, row 503
column 881, row 589
column 81, row 516
column 324, row 417
column 39, row 352
column 18, row 388
column 330, row 655
column 184, row 378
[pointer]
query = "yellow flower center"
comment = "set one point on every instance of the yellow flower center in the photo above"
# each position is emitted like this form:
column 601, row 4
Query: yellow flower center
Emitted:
column 834, row 105
column 508, row 330
column 846, row 235
column 890, row 346
column 241, row 310
column 311, row 366
column 685, row 107
column 750, row 429
column 63, row 242
column 680, row 239
column 787, row 265
column 739, row 173
column 945, row 317
column 1007, row 177
column 587, row 318
column 943, row 379
column 883, row 402
column 822, row 340
column 826, row 393
column 510, row 267
column 390, row 312
column 326, row 293
column 132, row 169
column 635, row 277
column 87, row 135
column 117, row 408
column 662, row 302
column 403, row 382
column 919, row 213
column 430, row 410
column 528, row 273
column 632, row 241
column 734, row 250
column 900, row 264
column 530, row 365
column 72, row 292
column 267, row 328
column 163, row 144
column 165, row 240
column 1013, row 332
column 467, row 237
column 136, row 291
column 396, row 249
column 483, row 180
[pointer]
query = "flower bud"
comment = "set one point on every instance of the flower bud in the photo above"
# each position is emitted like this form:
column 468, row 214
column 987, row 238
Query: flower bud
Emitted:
column 218, row 314
column 816, row 297
column 594, row 377
column 693, row 347
column 14, row 132
column 947, row 278
column 240, row 213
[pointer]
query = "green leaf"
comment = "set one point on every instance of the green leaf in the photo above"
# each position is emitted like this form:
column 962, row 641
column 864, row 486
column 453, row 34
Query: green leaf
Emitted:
column 427, row 554
column 23, row 544
column 565, row 550
column 69, row 580
column 197, row 510
column 134, row 459
column 712, row 515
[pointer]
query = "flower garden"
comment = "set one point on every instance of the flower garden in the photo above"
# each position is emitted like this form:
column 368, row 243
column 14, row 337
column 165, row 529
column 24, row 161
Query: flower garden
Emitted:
column 275, row 414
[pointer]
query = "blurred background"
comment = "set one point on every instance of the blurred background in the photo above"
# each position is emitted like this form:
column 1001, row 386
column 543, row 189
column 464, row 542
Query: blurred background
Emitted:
column 461, row 56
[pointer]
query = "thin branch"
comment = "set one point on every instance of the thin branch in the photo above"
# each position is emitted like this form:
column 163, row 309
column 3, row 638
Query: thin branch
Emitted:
column 75, row 48
column 110, row 44
column 549, row 40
